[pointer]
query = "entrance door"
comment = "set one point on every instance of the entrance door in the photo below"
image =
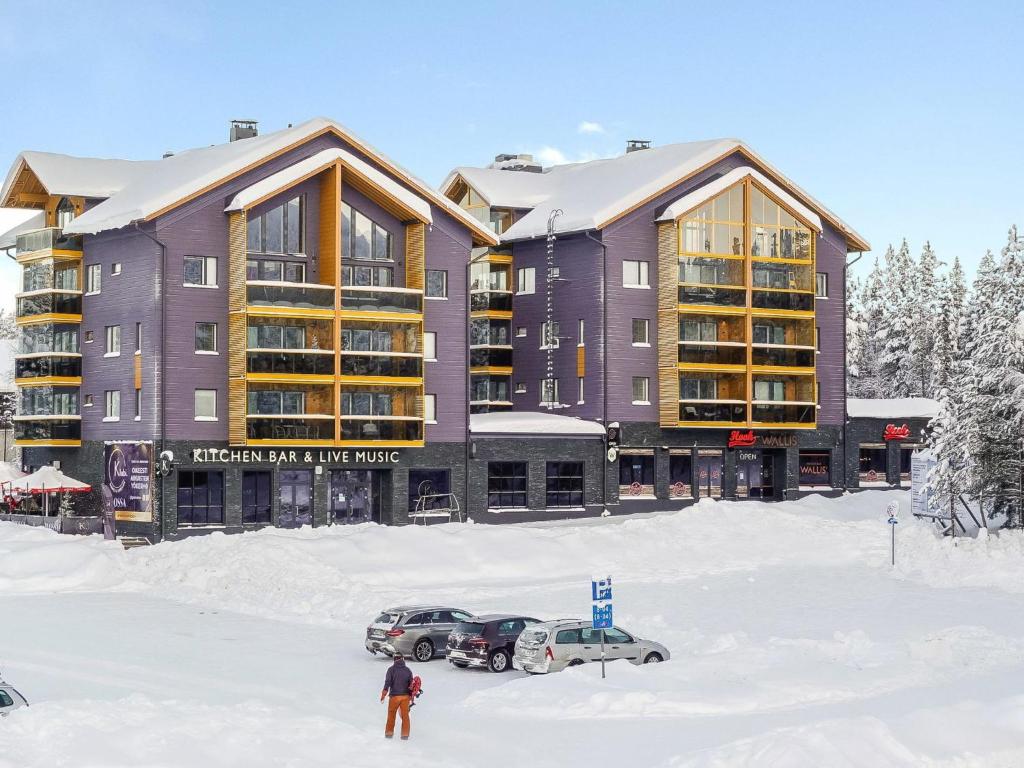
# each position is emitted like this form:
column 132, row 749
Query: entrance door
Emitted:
column 295, row 497
column 355, row 496
column 709, row 473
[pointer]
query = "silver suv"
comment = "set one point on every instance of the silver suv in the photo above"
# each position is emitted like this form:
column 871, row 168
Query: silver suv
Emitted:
column 419, row 631
column 554, row 645
column 10, row 699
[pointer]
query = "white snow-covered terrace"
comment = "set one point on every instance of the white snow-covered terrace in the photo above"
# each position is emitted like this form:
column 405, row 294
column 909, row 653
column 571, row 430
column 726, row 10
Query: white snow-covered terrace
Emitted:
column 529, row 423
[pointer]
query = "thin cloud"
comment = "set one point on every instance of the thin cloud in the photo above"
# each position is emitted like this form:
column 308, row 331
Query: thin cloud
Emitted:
column 589, row 127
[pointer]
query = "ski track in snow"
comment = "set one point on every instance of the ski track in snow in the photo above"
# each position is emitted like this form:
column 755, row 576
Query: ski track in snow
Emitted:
column 794, row 643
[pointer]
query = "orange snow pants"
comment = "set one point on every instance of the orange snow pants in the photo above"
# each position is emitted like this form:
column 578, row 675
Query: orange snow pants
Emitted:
column 396, row 705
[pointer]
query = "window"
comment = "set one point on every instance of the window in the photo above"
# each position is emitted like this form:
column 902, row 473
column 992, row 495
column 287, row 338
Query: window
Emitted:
column 112, row 410
column 549, row 334
column 426, row 489
column 437, row 284
column 526, row 280
column 548, row 391
column 636, row 475
column 817, row 339
column 93, row 278
column 279, row 230
column 275, row 271
column 506, row 484
column 269, row 402
column 641, row 330
column 65, row 212
column 206, row 405
column 273, row 336
column 634, row 274
column 201, row 271
column 138, row 338
column 769, row 334
column 521, row 332
column 641, row 385
column 363, row 238
column 113, row 348
column 359, row 275
column 206, row 338
column 564, row 484
column 430, row 409
column 815, row 468
column 520, row 387
column 776, row 232
column 698, row 389
column 200, row 498
column 821, row 285
column 115, row 268
column 89, row 337
column 766, row 389
column 87, row 401
column 699, row 330
column 256, row 497
column 138, row 405
column 554, row 273
column 366, row 340
column 567, row 637
column 579, row 391
column 429, row 345
column 579, row 334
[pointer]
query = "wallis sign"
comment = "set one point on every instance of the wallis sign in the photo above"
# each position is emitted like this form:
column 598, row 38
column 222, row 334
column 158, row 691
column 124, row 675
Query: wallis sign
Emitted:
column 739, row 438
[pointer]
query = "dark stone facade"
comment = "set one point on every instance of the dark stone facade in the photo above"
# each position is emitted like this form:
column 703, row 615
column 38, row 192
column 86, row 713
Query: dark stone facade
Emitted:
column 864, row 431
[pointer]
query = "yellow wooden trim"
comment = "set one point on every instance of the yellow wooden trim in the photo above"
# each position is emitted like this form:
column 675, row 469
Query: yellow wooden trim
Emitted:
column 48, row 317
column 48, row 253
column 795, row 313
column 49, row 443
column 782, row 290
column 777, row 260
column 581, row 362
column 380, row 443
column 499, row 258
column 769, row 194
column 493, row 314
column 317, row 313
column 709, row 309
column 774, row 369
column 712, row 285
column 388, row 317
column 713, row 424
column 415, row 255
column 494, row 370
column 290, row 378
column 782, row 425
column 322, row 443
column 712, row 367
column 397, row 381
column 56, row 381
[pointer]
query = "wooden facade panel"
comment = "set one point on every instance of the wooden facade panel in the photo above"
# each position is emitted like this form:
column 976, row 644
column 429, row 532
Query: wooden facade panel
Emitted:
column 668, row 325
column 415, row 255
column 137, row 364
column 236, row 261
column 581, row 361
column 330, row 224
column 236, row 410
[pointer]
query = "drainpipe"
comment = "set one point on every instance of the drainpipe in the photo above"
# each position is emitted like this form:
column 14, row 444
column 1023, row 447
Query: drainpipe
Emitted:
column 604, row 365
column 163, row 365
column 846, row 415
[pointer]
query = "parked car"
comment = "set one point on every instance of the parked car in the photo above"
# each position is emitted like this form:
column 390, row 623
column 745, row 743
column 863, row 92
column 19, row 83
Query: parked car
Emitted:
column 552, row 646
column 487, row 641
column 419, row 631
column 10, row 699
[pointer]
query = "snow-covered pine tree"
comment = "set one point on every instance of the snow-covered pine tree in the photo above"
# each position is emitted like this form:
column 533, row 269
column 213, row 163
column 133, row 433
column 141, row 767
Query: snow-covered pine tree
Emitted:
column 896, row 326
column 925, row 303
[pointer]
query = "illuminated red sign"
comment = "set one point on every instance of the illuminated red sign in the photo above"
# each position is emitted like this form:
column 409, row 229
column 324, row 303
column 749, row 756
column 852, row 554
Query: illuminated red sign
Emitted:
column 740, row 439
column 892, row 432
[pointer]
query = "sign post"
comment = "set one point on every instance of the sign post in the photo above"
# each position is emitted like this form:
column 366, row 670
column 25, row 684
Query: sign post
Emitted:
column 893, row 511
column 601, row 595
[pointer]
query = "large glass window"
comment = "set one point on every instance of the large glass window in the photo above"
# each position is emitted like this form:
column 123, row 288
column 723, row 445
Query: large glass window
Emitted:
column 201, row 271
column 367, row 404
column 295, row 498
column 769, row 334
column 636, row 475
column 279, row 230
column 776, row 232
column 48, row 401
column 428, row 489
column 506, row 484
column 635, row 274
column 815, row 468
column 275, row 336
column 271, row 402
column 360, row 275
column 698, row 389
column 768, row 389
column 680, row 476
column 873, row 460
column 564, row 484
column 699, row 330
column 715, row 227
column 275, row 271
column 362, row 237
column 200, row 498
column 256, row 497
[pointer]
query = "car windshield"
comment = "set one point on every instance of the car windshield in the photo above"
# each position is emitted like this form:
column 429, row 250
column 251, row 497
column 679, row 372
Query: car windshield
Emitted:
column 468, row 628
column 6, row 700
column 386, row 618
column 533, row 636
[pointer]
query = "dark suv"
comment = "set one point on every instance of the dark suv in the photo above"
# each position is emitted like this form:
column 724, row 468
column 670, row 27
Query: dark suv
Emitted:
column 486, row 641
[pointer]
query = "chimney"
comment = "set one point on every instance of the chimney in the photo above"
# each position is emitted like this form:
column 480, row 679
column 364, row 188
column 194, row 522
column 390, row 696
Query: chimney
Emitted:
column 243, row 129
column 167, row 154
column 635, row 145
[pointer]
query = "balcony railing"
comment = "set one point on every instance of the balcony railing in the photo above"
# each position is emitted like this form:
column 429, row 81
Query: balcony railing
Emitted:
column 784, row 413
column 262, row 293
column 39, row 367
column 724, row 412
column 402, row 300
column 376, row 428
column 490, row 357
column 298, row 363
column 497, row 301
column 56, row 302
column 354, row 364
column 27, row 428
column 716, row 297
column 785, row 301
column 801, row 358
column 45, row 239
column 712, row 355
column 289, row 428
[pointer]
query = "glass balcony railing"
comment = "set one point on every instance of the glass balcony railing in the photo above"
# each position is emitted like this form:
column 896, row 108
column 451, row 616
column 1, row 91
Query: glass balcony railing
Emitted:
column 801, row 358
column 724, row 412
column 380, row 365
column 784, row 414
column 785, row 301
column 381, row 300
column 712, row 355
column 52, row 302
column 369, row 428
column 39, row 367
column 716, row 297
column 45, row 239
column 298, row 363
column 289, row 428
column 48, row 429
column 497, row 301
column 294, row 295
column 489, row 356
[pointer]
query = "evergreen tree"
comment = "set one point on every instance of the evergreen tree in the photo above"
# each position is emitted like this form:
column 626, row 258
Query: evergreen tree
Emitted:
column 863, row 327
column 896, row 326
column 925, row 309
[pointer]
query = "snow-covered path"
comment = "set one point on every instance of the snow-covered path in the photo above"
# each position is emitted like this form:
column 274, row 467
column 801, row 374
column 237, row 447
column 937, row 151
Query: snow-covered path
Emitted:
column 793, row 644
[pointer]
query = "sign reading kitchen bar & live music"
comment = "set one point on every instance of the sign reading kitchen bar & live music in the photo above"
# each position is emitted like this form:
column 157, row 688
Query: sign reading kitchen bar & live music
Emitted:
column 128, row 481
column 293, row 456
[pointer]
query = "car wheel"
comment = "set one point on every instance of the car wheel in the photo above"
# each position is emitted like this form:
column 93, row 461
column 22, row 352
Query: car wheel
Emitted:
column 498, row 661
column 460, row 664
column 575, row 663
column 653, row 658
column 423, row 650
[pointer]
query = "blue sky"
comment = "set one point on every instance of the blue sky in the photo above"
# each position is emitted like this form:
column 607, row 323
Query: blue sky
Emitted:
column 904, row 118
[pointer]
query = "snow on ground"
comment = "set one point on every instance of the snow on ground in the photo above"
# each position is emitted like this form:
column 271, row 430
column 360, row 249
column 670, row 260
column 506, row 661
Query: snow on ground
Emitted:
column 794, row 643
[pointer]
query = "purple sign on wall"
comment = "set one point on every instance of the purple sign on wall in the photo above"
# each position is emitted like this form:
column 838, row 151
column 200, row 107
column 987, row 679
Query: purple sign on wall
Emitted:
column 128, row 479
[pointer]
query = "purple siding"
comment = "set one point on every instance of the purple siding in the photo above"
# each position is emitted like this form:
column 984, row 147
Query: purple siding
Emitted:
column 830, row 318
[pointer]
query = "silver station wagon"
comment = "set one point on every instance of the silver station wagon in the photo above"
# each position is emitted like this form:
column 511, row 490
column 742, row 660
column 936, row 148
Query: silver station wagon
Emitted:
column 418, row 631
column 554, row 645
column 10, row 699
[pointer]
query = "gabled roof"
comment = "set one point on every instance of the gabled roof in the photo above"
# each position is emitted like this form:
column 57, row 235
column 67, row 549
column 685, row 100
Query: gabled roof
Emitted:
column 594, row 194
column 75, row 176
column 184, row 176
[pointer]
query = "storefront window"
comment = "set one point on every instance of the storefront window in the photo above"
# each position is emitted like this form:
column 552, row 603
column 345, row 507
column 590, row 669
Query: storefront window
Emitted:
column 680, row 476
column 709, row 473
column 295, row 498
column 906, row 454
column 506, row 485
column 636, row 475
column 429, row 489
column 200, row 498
column 355, row 495
column 564, row 484
column 872, row 464
column 256, row 497
column 815, row 468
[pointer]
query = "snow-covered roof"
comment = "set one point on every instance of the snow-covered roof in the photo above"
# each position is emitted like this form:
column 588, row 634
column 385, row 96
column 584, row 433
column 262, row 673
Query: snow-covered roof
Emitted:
column 77, row 176
column 48, row 478
column 531, row 423
column 30, row 221
column 180, row 177
column 305, row 168
column 894, row 408
column 701, row 195
column 593, row 194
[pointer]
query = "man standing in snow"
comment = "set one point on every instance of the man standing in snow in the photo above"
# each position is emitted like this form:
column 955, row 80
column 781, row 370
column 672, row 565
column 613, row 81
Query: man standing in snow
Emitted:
column 396, row 688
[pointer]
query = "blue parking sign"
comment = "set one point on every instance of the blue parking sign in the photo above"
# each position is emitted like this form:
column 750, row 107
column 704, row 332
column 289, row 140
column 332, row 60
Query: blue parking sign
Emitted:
column 601, row 589
column 603, row 616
